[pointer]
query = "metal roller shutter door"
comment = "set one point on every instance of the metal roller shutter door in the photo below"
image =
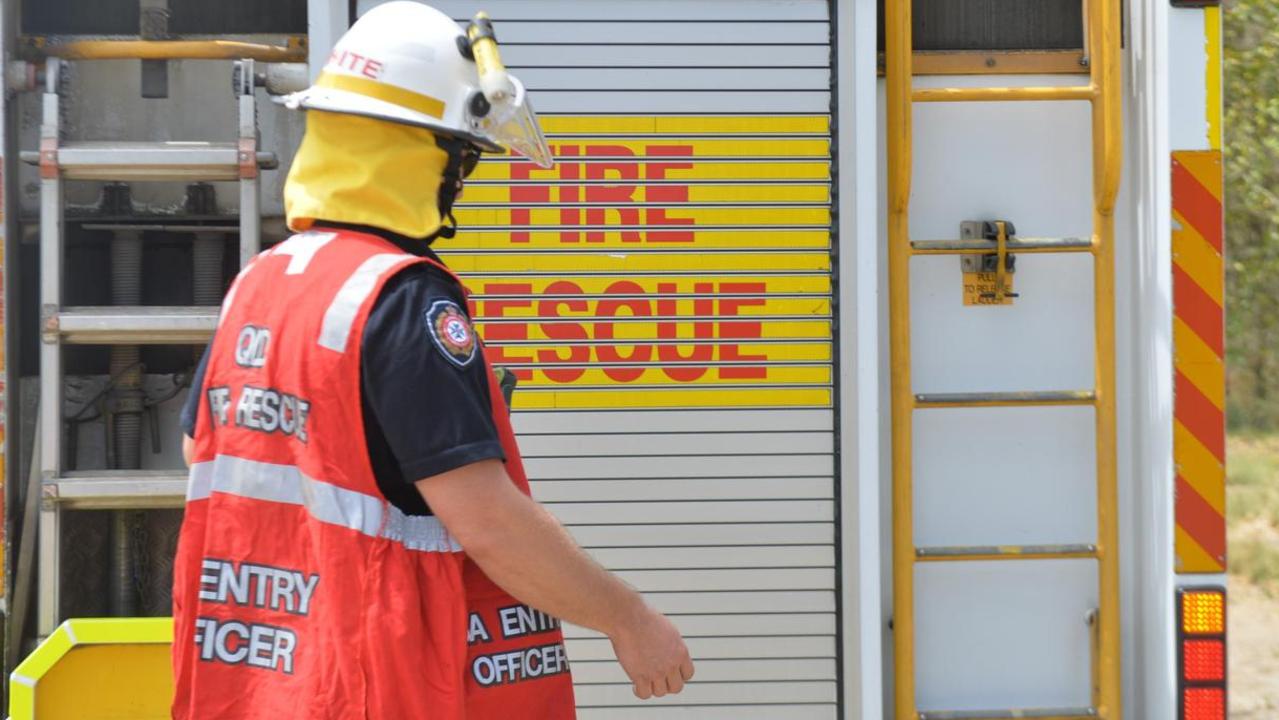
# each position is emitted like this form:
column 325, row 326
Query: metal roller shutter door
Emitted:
column 665, row 294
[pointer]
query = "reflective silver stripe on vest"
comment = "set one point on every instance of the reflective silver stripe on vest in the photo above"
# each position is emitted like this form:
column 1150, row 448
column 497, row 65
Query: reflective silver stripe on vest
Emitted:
column 301, row 250
column 340, row 316
column 326, row 502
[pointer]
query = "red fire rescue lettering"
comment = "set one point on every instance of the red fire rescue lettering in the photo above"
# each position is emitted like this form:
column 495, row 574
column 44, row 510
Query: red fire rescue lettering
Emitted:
column 618, row 204
column 588, row 335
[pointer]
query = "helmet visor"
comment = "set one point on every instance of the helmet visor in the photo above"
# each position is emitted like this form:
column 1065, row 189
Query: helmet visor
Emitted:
column 512, row 124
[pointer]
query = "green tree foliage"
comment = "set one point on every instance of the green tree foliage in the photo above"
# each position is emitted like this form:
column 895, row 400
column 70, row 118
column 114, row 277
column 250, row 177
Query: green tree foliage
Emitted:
column 1252, row 211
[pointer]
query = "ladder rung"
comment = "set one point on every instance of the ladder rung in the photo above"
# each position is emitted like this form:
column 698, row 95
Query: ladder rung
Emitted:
column 192, row 228
column 1004, row 552
column 118, row 489
column 1004, row 94
column 136, row 325
column 174, row 50
column 1014, row 245
column 150, row 161
column 1005, row 399
column 1082, row 713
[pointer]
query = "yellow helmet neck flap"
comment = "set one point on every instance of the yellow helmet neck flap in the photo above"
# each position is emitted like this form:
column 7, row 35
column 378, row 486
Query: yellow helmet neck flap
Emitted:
column 359, row 170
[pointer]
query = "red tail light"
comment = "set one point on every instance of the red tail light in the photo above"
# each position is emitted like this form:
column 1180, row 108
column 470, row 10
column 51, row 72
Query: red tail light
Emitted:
column 1203, row 703
column 1201, row 652
column 1203, row 660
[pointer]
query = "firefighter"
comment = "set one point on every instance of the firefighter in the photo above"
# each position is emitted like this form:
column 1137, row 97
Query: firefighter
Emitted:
column 357, row 511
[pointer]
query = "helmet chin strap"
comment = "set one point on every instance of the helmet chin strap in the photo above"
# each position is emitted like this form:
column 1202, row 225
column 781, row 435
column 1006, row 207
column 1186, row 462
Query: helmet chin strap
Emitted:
column 446, row 231
column 450, row 187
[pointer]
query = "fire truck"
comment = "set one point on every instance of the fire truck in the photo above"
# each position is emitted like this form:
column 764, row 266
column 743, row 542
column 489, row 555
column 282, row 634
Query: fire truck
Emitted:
column 879, row 344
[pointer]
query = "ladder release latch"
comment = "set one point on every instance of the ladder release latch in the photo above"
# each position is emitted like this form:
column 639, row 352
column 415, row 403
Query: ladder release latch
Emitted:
column 988, row 276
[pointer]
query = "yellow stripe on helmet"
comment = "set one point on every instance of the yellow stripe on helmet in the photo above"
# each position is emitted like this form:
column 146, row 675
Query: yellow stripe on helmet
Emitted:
column 418, row 102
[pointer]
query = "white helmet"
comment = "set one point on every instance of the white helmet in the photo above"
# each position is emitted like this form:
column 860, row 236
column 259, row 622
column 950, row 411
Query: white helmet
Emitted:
column 409, row 63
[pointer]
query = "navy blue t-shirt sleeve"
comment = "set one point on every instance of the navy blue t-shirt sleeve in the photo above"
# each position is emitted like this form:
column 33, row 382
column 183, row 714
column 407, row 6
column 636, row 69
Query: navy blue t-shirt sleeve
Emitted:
column 424, row 378
column 191, row 407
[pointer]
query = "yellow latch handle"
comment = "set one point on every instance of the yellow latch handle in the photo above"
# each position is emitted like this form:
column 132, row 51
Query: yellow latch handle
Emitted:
column 1001, row 257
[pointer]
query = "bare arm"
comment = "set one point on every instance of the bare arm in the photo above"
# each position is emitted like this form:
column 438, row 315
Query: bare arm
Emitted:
column 526, row 551
column 188, row 449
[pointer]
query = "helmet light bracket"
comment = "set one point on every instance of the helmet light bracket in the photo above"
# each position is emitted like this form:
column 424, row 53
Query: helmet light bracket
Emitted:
column 480, row 105
column 464, row 47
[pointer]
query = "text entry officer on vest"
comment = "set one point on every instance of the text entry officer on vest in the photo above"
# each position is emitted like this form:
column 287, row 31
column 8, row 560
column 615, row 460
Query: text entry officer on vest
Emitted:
column 358, row 511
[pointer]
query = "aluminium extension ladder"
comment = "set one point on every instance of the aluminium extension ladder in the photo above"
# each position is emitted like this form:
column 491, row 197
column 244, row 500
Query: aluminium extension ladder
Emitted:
column 60, row 161
column 1103, row 92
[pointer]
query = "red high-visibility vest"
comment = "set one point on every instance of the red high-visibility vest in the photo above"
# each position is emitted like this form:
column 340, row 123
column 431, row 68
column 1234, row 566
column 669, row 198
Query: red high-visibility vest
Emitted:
column 299, row 591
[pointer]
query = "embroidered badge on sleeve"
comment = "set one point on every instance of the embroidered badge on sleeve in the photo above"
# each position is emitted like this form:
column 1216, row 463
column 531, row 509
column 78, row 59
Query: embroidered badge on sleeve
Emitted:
column 451, row 332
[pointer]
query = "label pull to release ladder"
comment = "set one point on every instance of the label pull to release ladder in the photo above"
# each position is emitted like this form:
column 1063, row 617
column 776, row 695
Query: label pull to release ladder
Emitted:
column 988, row 278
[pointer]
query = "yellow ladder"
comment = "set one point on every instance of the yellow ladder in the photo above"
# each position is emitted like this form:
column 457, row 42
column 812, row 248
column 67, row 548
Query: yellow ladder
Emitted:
column 1103, row 92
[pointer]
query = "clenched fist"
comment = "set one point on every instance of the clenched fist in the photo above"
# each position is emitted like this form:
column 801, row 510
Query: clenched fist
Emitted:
column 653, row 654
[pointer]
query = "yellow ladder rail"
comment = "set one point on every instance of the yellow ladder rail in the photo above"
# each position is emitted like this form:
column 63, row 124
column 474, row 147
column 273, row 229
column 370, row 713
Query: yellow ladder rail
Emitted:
column 1103, row 92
